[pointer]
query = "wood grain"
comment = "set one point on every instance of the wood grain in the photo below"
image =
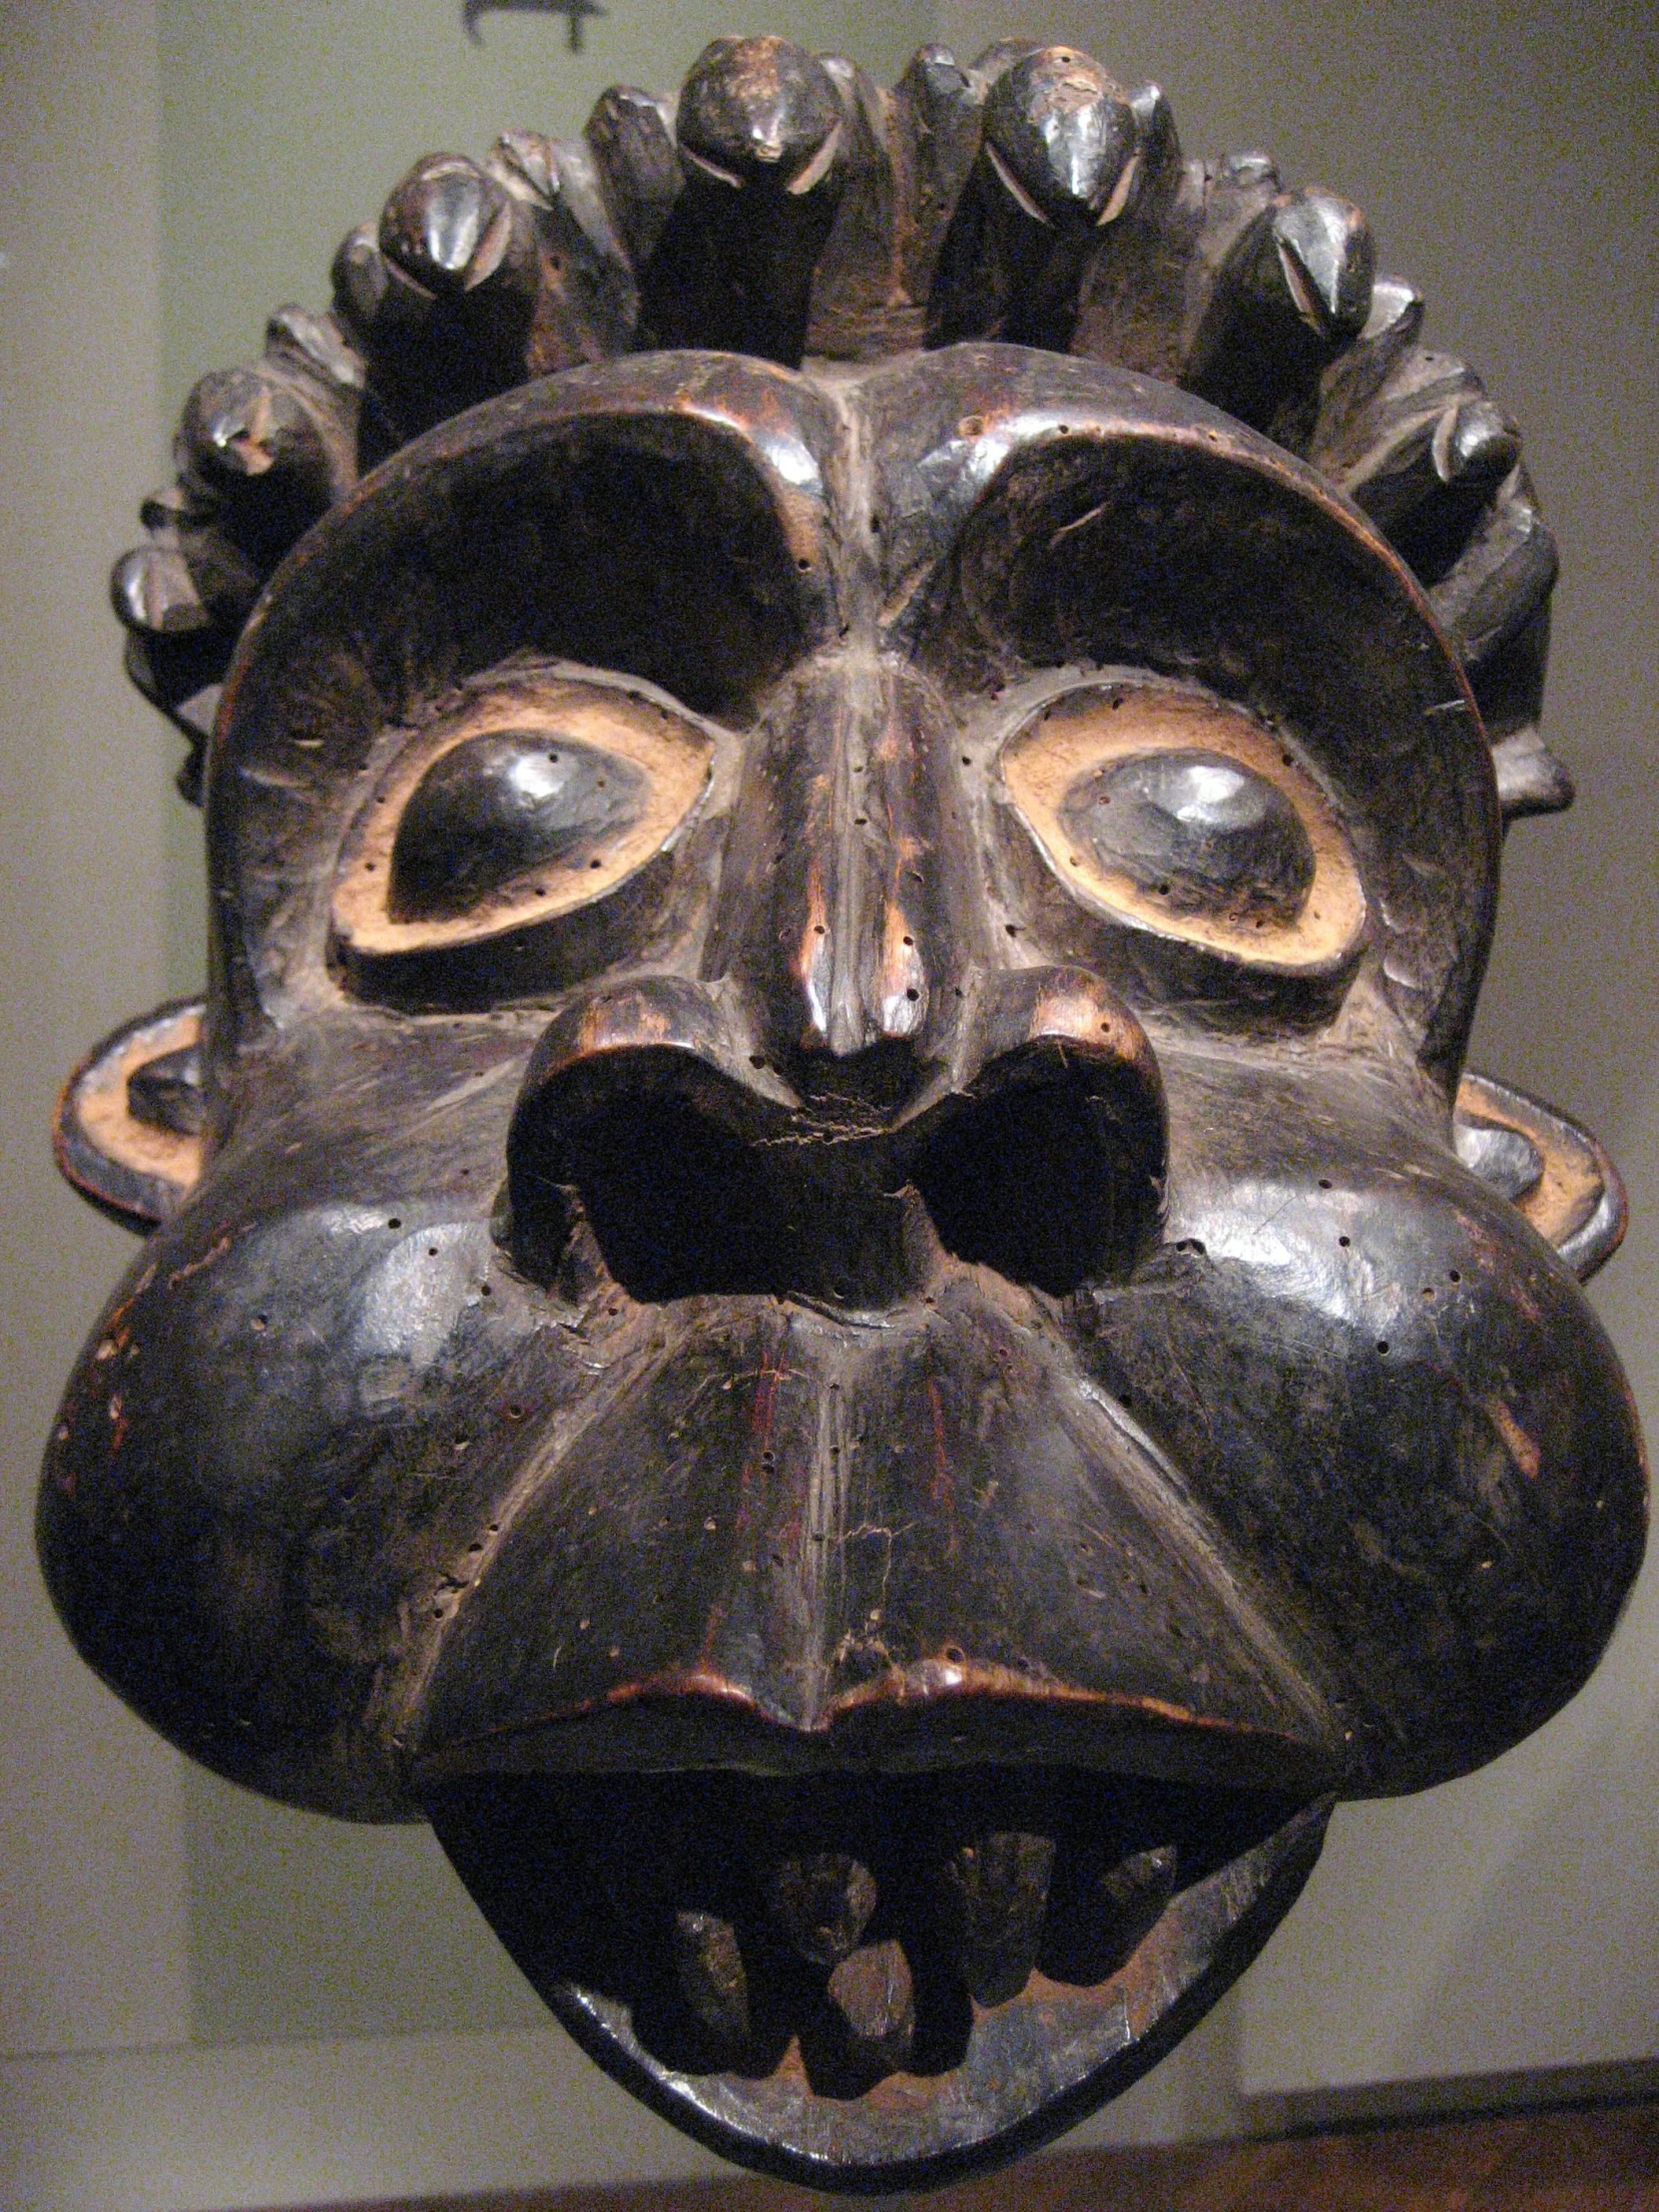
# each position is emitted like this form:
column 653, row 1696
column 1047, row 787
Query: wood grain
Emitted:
column 1565, row 2161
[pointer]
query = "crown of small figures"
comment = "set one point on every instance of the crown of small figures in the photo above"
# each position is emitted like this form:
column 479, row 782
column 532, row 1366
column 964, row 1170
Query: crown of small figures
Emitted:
column 789, row 208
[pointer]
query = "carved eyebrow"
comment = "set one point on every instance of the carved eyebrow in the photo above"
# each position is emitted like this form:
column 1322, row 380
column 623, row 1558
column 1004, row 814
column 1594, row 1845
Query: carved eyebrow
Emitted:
column 661, row 518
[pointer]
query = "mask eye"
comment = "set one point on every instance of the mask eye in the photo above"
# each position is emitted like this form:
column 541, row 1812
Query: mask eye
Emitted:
column 541, row 799
column 1177, row 815
column 493, row 808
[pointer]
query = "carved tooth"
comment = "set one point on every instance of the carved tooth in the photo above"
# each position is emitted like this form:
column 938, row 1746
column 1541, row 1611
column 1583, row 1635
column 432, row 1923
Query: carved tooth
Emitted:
column 1136, row 1888
column 991, row 1898
column 709, row 1968
column 1107, row 1919
column 873, row 2002
column 822, row 1901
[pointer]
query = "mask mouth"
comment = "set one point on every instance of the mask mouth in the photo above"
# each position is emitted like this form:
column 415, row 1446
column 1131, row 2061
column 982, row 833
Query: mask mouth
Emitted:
column 873, row 1979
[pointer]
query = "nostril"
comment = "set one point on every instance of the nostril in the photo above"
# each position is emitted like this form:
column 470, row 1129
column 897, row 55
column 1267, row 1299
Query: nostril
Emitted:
column 692, row 1184
column 1052, row 1185
column 669, row 1195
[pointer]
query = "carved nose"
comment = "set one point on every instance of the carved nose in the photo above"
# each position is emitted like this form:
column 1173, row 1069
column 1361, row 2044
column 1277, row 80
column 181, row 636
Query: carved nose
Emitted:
column 844, row 913
column 698, row 1171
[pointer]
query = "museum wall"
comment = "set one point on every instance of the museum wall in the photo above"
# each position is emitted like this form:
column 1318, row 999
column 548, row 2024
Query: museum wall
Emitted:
column 206, row 2000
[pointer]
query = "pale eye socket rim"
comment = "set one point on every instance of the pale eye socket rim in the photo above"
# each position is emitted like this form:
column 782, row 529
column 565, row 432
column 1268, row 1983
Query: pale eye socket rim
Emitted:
column 1177, row 719
column 674, row 749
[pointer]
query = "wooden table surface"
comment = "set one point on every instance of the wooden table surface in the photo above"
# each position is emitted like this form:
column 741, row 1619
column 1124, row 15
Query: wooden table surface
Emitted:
column 1604, row 2160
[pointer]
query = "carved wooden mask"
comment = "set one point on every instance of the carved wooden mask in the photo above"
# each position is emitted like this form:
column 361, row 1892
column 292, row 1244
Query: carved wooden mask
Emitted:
column 823, row 1273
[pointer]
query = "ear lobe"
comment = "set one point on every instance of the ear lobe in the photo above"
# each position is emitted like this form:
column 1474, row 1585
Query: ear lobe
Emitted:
column 127, row 1127
column 1554, row 1171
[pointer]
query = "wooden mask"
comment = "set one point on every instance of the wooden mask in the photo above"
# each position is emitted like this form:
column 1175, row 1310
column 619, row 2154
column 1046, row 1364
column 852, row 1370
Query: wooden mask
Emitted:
column 822, row 1269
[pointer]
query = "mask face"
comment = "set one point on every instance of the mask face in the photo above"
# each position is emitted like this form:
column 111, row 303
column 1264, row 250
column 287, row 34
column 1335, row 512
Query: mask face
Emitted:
column 824, row 1277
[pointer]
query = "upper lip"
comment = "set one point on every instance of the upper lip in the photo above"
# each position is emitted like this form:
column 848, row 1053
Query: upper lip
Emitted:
column 782, row 1546
column 939, row 1714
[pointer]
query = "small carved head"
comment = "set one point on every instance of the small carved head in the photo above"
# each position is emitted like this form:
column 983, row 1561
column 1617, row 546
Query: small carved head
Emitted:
column 821, row 1267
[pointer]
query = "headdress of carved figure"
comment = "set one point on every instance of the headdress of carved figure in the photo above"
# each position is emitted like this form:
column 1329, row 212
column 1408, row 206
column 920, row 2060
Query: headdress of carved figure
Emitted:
column 823, row 1273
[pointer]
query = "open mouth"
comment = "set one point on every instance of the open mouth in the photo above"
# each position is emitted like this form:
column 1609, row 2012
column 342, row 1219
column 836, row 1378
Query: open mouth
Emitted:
column 880, row 1977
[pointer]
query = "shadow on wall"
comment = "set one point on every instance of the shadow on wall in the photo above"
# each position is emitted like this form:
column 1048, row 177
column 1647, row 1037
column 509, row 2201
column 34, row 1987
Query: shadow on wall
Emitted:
column 1591, row 1950
column 302, row 1927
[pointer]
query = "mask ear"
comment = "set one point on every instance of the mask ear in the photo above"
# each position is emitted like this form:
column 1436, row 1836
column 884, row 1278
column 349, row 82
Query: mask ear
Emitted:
column 127, row 1127
column 1556, row 1172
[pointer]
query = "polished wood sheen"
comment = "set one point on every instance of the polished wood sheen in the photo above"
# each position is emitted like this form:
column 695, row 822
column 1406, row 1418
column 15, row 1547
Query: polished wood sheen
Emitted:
column 825, row 1275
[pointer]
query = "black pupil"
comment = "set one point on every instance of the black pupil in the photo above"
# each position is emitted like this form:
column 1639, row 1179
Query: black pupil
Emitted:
column 493, row 808
column 1201, row 832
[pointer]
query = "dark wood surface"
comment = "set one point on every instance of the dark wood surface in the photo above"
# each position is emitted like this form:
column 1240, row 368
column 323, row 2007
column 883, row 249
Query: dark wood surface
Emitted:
column 824, row 1272
column 1573, row 2162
